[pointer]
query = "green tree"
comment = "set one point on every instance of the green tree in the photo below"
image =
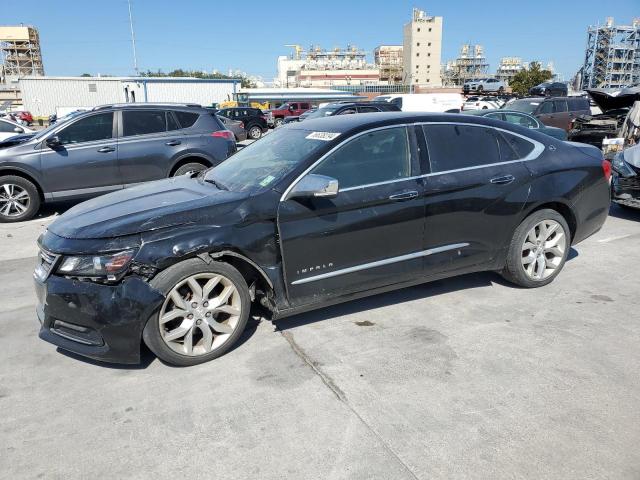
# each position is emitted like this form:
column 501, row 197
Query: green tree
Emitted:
column 529, row 77
column 86, row 75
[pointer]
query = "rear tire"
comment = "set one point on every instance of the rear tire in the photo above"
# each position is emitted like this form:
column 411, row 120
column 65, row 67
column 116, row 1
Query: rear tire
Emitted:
column 538, row 249
column 255, row 132
column 188, row 168
column 196, row 322
column 19, row 199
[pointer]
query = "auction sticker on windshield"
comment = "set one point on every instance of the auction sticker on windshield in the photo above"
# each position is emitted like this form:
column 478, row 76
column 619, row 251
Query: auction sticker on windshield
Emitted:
column 326, row 136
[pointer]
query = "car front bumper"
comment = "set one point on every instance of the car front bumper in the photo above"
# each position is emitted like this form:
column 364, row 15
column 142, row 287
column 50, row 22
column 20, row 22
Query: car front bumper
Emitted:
column 103, row 322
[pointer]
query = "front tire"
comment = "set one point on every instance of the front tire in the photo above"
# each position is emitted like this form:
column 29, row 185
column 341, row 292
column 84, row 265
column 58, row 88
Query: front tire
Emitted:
column 277, row 122
column 538, row 249
column 204, row 313
column 19, row 199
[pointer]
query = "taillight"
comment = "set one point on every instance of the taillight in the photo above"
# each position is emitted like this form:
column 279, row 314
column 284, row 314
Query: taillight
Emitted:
column 606, row 169
column 241, row 124
column 223, row 134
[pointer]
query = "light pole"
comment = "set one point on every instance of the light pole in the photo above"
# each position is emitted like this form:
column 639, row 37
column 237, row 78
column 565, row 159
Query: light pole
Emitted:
column 133, row 40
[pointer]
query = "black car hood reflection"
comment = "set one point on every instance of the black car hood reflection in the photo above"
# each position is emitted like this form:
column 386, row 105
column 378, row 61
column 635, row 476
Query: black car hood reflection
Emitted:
column 151, row 206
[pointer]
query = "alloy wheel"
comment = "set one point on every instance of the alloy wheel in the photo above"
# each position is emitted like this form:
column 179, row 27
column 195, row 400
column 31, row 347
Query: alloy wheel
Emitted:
column 543, row 249
column 255, row 133
column 14, row 200
column 200, row 314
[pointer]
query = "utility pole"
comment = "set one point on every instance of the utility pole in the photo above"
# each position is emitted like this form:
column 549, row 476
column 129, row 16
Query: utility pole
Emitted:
column 133, row 40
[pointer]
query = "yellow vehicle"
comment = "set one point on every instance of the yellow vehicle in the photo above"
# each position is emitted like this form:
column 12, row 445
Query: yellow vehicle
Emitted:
column 234, row 103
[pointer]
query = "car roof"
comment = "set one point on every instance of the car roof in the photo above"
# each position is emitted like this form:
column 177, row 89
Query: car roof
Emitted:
column 118, row 106
column 363, row 121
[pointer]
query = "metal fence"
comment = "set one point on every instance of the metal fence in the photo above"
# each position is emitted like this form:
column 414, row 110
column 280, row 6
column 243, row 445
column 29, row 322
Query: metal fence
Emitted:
column 379, row 88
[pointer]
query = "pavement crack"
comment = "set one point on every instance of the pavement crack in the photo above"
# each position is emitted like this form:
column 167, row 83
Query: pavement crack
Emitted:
column 340, row 395
column 326, row 379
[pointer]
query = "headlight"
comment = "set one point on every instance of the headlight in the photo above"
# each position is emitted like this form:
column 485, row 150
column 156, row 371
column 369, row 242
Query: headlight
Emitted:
column 621, row 167
column 108, row 266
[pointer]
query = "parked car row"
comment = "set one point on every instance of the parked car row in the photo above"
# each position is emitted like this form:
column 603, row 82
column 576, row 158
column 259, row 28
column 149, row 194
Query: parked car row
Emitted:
column 254, row 120
column 22, row 117
column 347, row 108
column 552, row 111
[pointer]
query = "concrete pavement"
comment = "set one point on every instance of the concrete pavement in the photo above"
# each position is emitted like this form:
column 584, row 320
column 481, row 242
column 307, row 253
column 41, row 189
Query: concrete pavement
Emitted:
column 462, row 378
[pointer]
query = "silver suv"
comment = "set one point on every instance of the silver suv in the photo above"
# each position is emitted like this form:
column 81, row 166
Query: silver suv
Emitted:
column 484, row 85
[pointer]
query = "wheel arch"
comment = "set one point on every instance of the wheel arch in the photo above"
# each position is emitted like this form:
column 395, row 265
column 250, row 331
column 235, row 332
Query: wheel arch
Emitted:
column 249, row 269
column 5, row 171
column 563, row 209
column 190, row 158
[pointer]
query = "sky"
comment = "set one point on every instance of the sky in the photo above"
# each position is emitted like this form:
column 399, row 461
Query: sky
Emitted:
column 93, row 36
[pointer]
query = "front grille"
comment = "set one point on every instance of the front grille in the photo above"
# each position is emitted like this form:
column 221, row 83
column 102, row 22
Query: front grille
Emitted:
column 46, row 263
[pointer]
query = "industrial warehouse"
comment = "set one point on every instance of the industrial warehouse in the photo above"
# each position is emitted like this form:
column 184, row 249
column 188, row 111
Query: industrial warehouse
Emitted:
column 392, row 240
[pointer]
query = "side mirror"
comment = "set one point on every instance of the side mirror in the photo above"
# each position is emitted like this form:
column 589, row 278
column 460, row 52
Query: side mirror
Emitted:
column 18, row 130
column 53, row 142
column 316, row 186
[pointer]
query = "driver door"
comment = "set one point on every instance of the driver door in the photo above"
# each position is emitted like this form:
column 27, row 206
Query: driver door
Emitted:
column 86, row 161
column 370, row 234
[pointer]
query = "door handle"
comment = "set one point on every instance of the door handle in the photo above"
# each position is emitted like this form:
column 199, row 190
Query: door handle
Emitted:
column 106, row 149
column 399, row 197
column 503, row 180
column 173, row 143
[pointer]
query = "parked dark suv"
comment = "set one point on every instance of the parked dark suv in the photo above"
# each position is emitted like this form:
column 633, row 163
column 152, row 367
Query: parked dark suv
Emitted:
column 550, row 89
column 108, row 148
column 313, row 214
column 552, row 111
column 346, row 109
column 254, row 119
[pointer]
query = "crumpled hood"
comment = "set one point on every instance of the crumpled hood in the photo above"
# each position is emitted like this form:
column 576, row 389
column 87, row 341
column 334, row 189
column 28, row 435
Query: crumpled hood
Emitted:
column 150, row 206
column 610, row 99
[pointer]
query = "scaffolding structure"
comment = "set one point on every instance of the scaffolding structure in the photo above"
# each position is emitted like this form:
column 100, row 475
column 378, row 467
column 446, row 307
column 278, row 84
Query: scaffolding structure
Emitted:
column 389, row 59
column 350, row 58
column 612, row 57
column 20, row 52
column 508, row 68
column 470, row 65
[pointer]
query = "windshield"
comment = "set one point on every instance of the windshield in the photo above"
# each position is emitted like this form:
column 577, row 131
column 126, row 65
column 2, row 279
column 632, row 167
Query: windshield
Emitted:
column 323, row 112
column 526, row 106
column 262, row 164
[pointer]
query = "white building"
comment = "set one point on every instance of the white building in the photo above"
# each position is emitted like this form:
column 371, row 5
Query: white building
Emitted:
column 422, row 50
column 42, row 96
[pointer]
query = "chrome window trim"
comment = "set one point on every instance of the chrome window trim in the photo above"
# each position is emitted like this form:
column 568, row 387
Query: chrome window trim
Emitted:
column 380, row 263
column 343, row 142
column 534, row 154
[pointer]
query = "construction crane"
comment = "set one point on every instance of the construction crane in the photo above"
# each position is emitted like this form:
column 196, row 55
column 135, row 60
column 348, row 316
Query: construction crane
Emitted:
column 298, row 49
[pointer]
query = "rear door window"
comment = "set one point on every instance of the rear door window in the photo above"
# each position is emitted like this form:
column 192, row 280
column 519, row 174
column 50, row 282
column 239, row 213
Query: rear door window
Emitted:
column 454, row 147
column 373, row 157
column 144, row 122
column 186, row 119
column 171, row 122
column 522, row 120
column 519, row 145
column 6, row 127
column 546, row 107
column 559, row 106
column 368, row 109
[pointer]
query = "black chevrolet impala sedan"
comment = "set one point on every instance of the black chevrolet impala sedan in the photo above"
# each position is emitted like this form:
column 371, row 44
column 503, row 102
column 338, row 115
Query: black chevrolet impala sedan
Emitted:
column 313, row 214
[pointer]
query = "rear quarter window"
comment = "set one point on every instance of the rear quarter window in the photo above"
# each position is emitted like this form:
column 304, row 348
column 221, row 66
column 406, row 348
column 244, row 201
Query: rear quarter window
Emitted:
column 186, row 119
